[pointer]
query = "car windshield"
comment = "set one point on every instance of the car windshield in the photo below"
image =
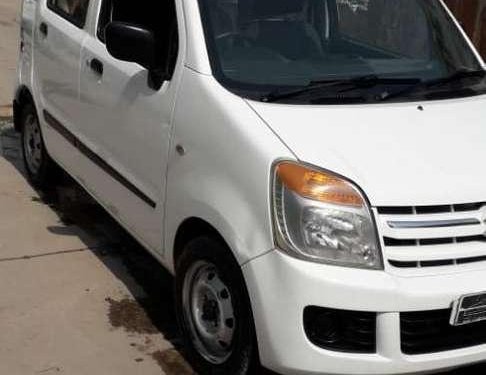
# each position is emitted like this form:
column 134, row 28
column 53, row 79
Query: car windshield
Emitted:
column 258, row 47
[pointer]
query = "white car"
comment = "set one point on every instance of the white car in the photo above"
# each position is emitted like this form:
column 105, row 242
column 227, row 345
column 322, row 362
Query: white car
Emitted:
column 311, row 171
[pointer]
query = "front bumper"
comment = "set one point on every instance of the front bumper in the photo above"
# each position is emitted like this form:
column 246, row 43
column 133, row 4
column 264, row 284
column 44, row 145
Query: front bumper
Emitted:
column 281, row 287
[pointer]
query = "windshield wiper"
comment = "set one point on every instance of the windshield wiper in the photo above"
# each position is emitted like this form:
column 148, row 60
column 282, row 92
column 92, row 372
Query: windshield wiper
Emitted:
column 365, row 81
column 457, row 76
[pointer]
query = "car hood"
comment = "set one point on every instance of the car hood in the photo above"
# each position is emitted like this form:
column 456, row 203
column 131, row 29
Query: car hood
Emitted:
column 403, row 154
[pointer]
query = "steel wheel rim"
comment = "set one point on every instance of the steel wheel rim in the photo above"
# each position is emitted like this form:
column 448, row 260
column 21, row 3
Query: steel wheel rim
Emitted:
column 32, row 144
column 208, row 312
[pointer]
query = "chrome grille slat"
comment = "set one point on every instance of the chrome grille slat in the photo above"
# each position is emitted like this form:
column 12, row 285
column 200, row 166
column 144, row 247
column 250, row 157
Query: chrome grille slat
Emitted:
column 439, row 252
column 433, row 223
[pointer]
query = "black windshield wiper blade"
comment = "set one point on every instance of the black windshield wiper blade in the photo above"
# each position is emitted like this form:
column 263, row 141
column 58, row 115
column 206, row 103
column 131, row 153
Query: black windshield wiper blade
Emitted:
column 424, row 85
column 365, row 81
column 457, row 76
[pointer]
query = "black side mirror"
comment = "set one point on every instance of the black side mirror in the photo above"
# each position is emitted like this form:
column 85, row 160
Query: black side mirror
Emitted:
column 131, row 43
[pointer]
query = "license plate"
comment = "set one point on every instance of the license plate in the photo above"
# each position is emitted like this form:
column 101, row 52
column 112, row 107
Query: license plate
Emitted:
column 469, row 309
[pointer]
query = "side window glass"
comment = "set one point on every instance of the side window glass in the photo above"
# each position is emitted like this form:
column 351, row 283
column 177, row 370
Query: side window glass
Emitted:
column 74, row 11
column 158, row 16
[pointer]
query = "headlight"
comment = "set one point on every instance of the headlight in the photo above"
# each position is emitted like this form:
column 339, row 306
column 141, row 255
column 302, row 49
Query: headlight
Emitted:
column 323, row 218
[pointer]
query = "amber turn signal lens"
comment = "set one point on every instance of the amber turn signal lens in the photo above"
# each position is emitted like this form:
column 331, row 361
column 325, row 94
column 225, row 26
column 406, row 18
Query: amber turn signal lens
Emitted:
column 318, row 185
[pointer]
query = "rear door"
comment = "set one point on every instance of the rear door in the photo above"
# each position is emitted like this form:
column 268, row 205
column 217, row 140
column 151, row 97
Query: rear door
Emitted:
column 59, row 35
column 127, row 119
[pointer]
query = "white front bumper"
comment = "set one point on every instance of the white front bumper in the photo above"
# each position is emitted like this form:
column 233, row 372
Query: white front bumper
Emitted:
column 281, row 287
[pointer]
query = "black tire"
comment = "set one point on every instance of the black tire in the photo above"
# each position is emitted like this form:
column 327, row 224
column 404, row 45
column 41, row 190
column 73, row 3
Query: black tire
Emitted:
column 44, row 173
column 243, row 358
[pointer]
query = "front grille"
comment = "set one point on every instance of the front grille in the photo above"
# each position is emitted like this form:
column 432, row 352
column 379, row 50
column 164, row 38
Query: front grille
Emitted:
column 341, row 330
column 425, row 332
column 433, row 236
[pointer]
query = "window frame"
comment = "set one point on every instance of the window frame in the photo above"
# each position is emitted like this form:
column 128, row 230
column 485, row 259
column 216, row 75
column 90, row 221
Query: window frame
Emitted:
column 98, row 32
column 100, row 15
column 80, row 24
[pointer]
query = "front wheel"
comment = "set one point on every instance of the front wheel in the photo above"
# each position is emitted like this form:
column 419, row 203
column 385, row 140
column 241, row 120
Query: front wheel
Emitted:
column 214, row 310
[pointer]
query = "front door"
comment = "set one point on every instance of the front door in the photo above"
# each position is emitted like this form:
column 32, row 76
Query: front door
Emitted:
column 127, row 120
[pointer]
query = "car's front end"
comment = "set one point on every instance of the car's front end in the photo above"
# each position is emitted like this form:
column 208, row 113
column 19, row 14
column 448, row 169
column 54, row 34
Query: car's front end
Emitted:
column 369, row 272
column 319, row 319
column 379, row 263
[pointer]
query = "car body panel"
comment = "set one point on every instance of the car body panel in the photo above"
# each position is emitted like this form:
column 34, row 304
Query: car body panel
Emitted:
column 403, row 154
column 128, row 124
column 232, row 194
column 281, row 287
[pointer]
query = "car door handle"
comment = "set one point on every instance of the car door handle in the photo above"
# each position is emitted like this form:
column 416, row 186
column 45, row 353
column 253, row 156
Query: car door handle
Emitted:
column 96, row 66
column 44, row 29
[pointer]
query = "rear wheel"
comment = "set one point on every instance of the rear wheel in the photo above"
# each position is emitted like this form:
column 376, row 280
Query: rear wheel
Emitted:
column 214, row 310
column 40, row 168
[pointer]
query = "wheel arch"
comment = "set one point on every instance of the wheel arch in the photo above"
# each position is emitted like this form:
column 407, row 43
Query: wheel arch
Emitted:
column 194, row 227
column 190, row 229
column 23, row 96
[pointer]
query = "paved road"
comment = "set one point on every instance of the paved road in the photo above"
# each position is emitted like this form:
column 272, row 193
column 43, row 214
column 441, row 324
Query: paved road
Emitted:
column 9, row 44
column 79, row 297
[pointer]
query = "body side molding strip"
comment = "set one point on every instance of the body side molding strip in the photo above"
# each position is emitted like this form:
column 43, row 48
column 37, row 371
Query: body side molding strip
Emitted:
column 96, row 159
